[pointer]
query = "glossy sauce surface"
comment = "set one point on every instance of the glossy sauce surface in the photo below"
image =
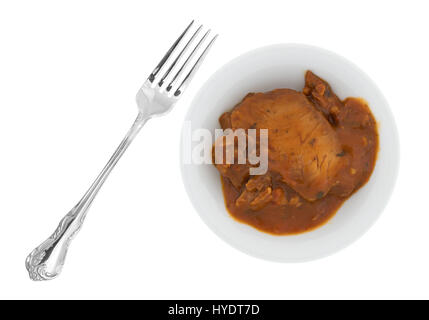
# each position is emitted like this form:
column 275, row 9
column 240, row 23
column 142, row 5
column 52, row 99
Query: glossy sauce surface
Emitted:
column 317, row 158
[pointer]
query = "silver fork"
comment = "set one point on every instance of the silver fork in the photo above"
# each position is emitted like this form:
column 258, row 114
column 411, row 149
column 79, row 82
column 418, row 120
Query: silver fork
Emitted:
column 154, row 98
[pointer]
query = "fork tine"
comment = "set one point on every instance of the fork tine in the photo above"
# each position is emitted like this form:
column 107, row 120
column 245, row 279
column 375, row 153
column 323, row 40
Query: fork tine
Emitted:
column 161, row 82
column 194, row 69
column 182, row 68
column 155, row 71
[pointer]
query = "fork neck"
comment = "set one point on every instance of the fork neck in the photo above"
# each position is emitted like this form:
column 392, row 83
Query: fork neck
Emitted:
column 89, row 196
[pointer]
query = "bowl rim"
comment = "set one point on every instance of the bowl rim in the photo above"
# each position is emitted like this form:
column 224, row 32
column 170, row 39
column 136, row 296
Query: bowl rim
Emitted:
column 390, row 188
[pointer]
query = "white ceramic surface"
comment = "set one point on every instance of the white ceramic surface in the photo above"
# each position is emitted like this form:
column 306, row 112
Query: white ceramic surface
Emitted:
column 284, row 66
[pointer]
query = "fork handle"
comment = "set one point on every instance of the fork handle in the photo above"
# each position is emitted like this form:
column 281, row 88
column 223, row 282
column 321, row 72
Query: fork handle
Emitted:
column 47, row 260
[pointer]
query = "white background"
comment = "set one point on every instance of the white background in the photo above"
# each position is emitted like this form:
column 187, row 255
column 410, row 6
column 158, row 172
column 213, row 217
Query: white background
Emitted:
column 69, row 71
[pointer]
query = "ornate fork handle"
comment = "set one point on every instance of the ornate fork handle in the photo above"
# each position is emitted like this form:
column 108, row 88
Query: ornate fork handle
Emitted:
column 155, row 97
column 47, row 260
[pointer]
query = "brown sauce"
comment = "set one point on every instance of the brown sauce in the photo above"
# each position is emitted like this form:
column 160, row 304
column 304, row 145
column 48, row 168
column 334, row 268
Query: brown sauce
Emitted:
column 320, row 149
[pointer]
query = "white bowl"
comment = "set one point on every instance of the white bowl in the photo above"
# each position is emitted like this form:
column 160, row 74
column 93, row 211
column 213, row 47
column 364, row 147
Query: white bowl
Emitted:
column 284, row 66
